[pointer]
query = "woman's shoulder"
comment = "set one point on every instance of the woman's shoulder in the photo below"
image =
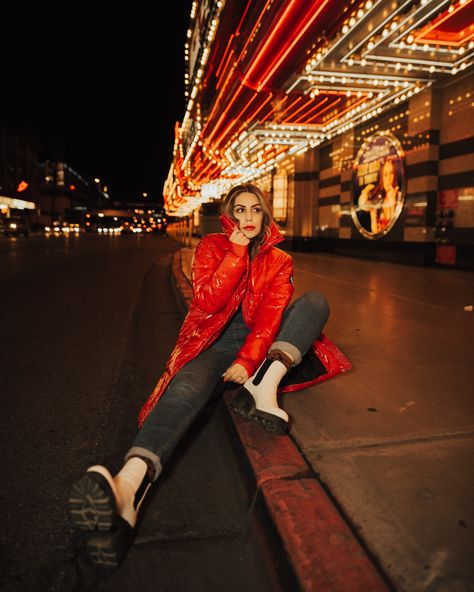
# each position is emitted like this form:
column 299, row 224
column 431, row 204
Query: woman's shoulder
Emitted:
column 212, row 241
column 279, row 256
column 215, row 238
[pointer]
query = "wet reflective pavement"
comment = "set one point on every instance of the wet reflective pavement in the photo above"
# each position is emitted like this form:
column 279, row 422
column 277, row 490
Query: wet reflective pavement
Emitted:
column 392, row 441
column 87, row 324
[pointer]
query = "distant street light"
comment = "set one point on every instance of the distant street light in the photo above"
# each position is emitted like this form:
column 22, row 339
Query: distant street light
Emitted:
column 145, row 194
column 97, row 180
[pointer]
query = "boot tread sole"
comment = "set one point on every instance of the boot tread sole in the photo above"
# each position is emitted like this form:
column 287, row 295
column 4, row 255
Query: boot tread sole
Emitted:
column 92, row 503
column 244, row 404
column 107, row 550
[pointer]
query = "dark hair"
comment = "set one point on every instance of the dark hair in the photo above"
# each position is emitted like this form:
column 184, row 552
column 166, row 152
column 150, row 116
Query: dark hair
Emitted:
column 228, row 208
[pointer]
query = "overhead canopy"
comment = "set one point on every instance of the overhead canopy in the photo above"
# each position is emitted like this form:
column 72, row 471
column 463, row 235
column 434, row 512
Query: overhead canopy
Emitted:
column 268, row 79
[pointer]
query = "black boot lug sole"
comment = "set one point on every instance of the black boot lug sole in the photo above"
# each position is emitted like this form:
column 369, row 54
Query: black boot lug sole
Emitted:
column 92, row 503
column 244, row 405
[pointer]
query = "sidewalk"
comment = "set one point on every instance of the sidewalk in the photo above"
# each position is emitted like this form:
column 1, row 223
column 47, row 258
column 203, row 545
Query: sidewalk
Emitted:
column 373, row 489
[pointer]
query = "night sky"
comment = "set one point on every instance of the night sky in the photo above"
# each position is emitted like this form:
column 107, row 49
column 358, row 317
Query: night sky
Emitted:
column 89, row 88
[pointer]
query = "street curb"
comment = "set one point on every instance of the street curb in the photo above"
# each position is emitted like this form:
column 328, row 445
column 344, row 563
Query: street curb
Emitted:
column 321, row 549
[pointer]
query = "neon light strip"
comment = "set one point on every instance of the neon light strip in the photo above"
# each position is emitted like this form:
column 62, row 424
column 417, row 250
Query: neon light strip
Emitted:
column 290, row 47
column 416, row 24
column 408, row 61
column 323, row 110
column 328, row 73
column 249, row 37
column 309, row 106
column 274, row 156
column 359, row 119
column 342, row 90
column 382, row 39
column 435, row 24
column 343, row 37
column 223, row 114
column 460, row 43
column 238, row 61
column 237, row 134
column 280, row 115
column 229, row 47
column 262, row 51
column 236, row 119
column 274, row 108
column 350, row 108
column 313, row 108
column 305, row 104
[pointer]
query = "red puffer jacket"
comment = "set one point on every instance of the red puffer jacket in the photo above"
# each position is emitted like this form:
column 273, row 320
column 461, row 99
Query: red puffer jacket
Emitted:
column 223, row 278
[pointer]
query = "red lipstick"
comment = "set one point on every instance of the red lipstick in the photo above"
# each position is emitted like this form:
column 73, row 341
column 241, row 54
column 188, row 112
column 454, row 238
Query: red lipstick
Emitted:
column 249, row 227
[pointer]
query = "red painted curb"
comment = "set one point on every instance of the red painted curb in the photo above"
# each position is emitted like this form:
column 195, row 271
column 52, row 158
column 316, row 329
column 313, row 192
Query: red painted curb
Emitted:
column 270, row 456
column 323, row 551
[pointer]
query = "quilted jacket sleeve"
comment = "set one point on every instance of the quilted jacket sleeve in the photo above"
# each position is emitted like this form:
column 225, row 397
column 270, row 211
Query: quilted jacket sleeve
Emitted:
column 267, row 318
column 215, row 278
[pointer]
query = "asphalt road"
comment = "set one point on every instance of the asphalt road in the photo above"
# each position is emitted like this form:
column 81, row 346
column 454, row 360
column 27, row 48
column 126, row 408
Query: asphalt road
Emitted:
column 86, row 325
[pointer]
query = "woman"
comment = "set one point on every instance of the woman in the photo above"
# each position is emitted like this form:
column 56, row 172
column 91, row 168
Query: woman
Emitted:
column 238, row 330
column 381, row 200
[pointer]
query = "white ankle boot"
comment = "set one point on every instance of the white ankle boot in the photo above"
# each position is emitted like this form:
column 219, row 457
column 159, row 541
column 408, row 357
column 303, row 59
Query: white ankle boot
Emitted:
column 98, row 498
column 129, row 487
column 257, row 398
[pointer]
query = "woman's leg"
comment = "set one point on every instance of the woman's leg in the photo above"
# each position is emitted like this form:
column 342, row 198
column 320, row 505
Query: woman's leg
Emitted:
column 108, row 506
column 97, row 498
column 100, row 502
column 302, row 323
column 184, row 399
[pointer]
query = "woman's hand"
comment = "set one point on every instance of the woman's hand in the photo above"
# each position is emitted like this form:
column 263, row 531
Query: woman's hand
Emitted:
column 238, row 237
column 365, row 196
column 235, row 373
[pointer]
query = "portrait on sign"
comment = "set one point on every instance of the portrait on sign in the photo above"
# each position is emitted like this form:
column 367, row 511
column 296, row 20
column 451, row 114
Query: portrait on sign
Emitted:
column 378, row 185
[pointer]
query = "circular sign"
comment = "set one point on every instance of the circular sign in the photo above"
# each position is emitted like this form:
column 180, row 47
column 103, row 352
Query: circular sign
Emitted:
column 378, row 185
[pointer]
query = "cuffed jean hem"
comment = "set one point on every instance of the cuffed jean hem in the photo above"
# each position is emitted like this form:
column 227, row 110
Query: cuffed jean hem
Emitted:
column 288, row 348
column 151, row 456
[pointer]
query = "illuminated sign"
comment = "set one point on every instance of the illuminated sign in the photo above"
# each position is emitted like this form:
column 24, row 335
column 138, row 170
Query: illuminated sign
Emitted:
column 22, row 186
column 378, row 185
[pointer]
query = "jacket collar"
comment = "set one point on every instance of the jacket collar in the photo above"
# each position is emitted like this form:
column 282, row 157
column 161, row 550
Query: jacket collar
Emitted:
column 272, row 239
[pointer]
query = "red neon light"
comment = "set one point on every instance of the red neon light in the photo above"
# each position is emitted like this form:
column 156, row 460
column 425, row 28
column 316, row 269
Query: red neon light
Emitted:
column 325, row 109
column 286, row 51
column 274, row 108
column 280, row 115
column 304, row 106
column 458, row 27
column 224, row 69
column 253, row 115
column 22, row 185
column 250, row 37
column 229, row 45
column 272, row 35
column 223, row 114
column 315, row 107
column 236, row 119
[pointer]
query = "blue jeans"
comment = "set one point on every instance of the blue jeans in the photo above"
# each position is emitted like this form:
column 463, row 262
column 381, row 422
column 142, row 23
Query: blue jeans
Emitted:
column 193, row 386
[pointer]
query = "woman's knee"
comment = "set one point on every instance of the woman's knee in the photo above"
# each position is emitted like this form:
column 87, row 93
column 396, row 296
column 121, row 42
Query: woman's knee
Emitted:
column 181, row 390
column 317, row 302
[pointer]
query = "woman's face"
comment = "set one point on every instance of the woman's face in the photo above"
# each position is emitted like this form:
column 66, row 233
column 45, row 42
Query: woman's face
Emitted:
column 388, row 175
column 249, row 214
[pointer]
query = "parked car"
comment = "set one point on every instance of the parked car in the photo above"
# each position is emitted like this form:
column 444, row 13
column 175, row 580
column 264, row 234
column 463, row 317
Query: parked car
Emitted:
column 16, row 225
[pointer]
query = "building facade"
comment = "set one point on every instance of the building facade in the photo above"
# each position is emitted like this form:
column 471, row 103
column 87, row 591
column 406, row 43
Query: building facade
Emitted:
column 356, row 119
